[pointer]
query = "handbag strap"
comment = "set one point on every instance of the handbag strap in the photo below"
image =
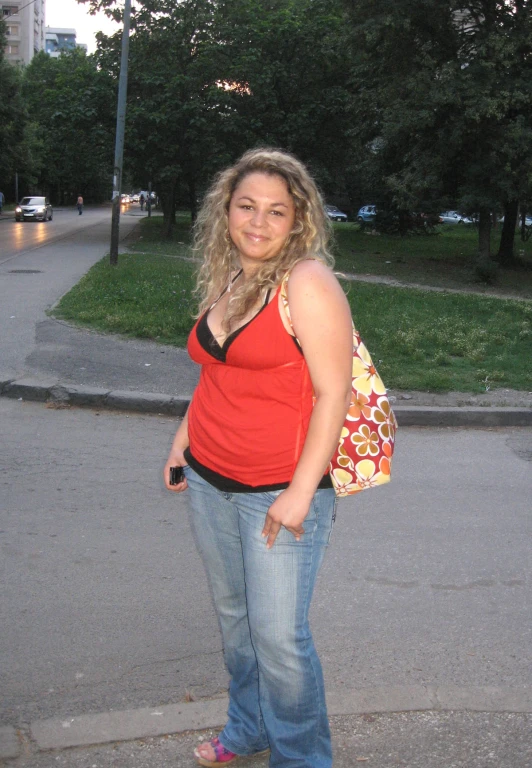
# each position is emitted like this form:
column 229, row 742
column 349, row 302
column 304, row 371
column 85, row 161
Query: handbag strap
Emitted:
column 286, row 307
column 284, row 302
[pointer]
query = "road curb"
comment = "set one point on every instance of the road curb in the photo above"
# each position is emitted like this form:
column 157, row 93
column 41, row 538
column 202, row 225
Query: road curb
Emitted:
column 134, row 724
column 467, row 416
column 55, row 392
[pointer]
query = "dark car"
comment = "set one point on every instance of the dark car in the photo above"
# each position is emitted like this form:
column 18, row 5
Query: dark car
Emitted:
column 335, row 214
column 34, row 208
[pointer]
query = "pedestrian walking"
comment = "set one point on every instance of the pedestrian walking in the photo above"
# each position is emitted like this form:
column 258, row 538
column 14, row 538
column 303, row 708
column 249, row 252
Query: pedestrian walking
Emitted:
column 253, row 451
column 80, row 204
column 141, row 200
column 2, row 200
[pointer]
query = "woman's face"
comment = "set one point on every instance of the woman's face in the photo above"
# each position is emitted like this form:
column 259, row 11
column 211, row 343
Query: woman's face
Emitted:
column 261, row 217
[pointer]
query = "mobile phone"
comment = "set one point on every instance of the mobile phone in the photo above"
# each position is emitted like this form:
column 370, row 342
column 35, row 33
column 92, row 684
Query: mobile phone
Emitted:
column 176, row 475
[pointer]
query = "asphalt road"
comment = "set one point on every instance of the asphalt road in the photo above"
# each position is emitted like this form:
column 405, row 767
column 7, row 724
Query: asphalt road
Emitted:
column 22, row 237
column 105, row 605
column 39, row 262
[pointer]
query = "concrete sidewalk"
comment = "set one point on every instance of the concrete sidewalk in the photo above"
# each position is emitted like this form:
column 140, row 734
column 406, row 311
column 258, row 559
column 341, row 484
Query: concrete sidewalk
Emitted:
column 79, row 367
column 407, row 730
column 61, row 393
column 410, row 740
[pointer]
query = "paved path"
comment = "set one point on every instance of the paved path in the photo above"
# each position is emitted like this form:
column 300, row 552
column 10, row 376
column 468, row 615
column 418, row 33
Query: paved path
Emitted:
column 394, row 282
column 389, row 740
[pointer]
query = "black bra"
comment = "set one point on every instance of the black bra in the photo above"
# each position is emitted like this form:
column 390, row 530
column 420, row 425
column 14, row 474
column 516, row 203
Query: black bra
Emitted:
column 206, row 337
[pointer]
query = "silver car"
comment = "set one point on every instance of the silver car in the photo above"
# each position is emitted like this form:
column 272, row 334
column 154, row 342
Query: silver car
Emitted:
column 335, row 214
column 34, row 208
column 454, row 217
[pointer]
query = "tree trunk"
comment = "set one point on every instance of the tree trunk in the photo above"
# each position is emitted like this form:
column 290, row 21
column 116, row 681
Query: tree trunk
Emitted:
column 485, row 268
column 403, row 223
column 168, row 205
column 192, row 201
column 524, row 231
column 505, row 256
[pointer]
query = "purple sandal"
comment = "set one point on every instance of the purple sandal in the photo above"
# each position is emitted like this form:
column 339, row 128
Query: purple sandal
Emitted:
column 221, row 754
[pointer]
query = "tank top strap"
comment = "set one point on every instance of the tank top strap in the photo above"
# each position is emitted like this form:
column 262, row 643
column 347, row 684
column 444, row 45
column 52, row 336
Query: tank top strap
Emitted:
column 234, row 279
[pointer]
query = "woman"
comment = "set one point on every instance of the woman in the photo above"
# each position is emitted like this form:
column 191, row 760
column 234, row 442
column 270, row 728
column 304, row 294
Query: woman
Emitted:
column 255, row 445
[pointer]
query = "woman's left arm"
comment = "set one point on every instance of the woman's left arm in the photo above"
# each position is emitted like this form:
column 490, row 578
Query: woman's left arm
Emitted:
column 322, row 322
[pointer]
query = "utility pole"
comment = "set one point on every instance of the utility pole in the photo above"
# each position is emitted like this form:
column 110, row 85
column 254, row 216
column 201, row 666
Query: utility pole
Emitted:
column 120, row 130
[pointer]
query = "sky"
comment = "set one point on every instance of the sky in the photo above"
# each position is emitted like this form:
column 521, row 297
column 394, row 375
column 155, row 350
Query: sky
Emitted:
column 68, row 13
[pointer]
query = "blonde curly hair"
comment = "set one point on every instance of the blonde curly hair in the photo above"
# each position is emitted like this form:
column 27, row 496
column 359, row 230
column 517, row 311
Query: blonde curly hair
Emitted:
column 309, row 237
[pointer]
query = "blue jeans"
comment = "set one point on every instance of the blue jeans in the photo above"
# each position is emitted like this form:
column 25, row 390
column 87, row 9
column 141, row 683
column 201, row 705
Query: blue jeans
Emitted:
column 262, row 597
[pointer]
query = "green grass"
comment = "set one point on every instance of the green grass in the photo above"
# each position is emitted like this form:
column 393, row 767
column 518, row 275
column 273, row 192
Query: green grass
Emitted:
column 419, row 340
column 152, row 241
column 446, row 259
column 444, row 342
column 147, row 297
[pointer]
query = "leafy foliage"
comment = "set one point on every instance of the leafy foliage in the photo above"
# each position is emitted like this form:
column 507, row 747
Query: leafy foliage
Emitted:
column 19, row 141
column 208, row 79
column 72, row 100
column 451, row 120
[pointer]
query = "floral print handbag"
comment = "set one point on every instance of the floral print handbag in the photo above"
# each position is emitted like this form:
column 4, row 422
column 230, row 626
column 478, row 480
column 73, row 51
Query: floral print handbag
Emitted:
column 363, row 458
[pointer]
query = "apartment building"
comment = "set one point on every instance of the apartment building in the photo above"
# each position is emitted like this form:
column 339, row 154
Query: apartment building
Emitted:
column 58, row 39
column 25, row 29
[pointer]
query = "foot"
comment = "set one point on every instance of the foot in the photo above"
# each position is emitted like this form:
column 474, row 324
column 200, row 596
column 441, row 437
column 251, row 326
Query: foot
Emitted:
column 212, row 753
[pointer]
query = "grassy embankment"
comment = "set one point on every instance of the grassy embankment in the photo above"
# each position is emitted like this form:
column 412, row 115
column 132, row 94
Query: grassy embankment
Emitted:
column 419, row 339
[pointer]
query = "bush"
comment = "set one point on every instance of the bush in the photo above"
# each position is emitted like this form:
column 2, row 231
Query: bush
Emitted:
column 401, row 222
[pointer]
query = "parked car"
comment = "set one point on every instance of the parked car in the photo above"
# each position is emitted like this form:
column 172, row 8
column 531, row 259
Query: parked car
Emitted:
column 451, row 217
column 367, row 213
column 335, row 214
column 34, row 208
column 528, row 220
column 455, row 217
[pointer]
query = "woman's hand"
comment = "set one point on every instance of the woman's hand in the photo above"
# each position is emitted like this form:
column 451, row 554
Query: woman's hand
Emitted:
column 288, row 510
column 175, row 459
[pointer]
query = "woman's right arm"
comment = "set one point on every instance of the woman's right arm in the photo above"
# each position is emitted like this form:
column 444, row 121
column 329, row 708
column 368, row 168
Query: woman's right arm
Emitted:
column 175, row 457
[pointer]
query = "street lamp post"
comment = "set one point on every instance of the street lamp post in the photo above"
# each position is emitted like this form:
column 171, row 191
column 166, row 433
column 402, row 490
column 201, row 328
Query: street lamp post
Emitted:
column 120, row 129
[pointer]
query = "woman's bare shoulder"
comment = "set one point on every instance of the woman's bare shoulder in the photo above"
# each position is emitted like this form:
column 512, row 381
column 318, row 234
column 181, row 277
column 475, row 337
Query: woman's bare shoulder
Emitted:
column 318, row 305
column 312, row 274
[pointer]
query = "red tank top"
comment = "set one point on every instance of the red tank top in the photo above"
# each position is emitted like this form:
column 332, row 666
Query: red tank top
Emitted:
column 249, row 415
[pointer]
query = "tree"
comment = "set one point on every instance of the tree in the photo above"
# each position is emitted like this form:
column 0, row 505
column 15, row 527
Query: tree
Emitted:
column 72, row 101
column 446, row 88
column 19, row 142
column 209, row 79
